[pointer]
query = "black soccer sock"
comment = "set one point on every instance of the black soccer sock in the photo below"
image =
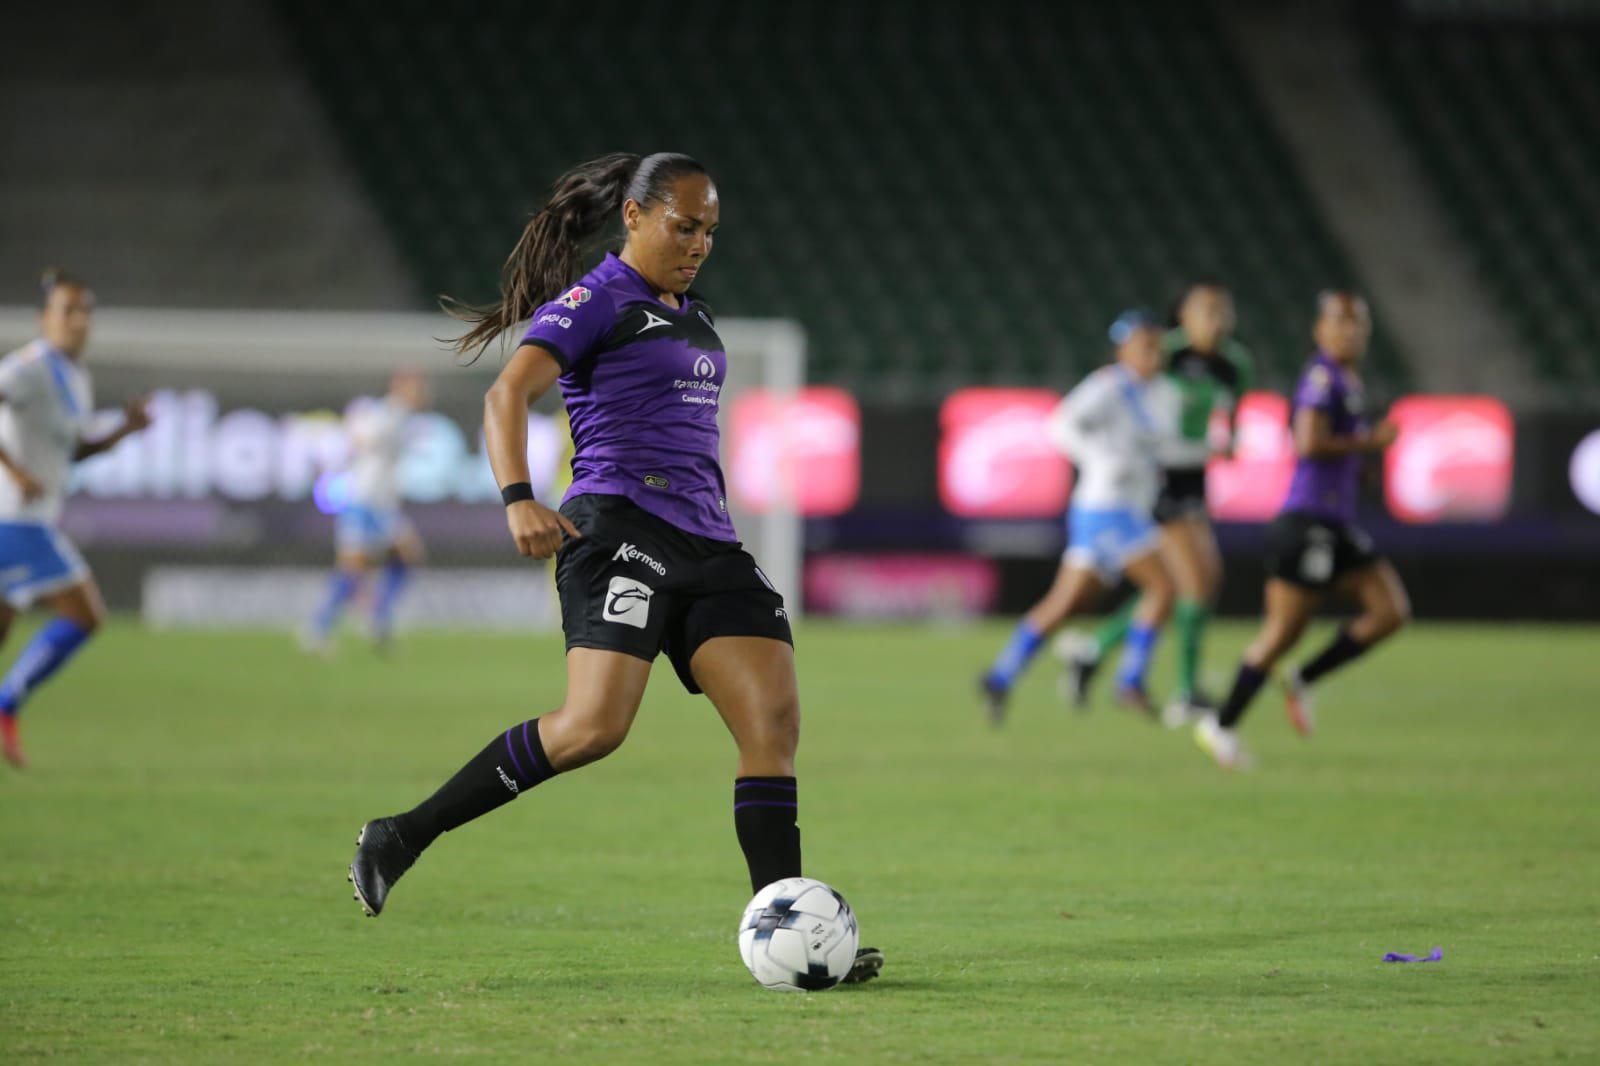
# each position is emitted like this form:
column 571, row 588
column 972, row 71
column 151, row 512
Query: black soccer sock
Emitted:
column 765, row 810
column 1246, row 683
column 512, row 763
column 1341, row 649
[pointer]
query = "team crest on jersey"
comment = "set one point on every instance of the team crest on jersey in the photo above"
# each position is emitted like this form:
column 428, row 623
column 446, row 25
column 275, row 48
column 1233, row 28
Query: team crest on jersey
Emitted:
column 573, row 297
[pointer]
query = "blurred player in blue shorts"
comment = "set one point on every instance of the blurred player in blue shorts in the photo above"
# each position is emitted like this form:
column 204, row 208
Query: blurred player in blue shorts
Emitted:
column 372, row 533
column 46, row 425
column 1115, row 426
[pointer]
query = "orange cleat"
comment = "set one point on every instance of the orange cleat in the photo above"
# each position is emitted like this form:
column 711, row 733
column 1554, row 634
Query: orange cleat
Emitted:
column 11, row 742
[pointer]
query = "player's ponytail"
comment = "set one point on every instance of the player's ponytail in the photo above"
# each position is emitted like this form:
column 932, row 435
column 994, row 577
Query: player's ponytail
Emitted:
column 549, row 255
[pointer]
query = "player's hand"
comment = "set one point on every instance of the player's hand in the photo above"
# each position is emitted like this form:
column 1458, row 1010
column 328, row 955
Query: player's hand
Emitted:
column 537, row 529
column 27, row 483
column 1383, row 434
column 136, row 414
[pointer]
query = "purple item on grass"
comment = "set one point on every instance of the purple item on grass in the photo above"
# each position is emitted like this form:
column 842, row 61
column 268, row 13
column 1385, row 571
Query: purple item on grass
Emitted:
column 1436, row 955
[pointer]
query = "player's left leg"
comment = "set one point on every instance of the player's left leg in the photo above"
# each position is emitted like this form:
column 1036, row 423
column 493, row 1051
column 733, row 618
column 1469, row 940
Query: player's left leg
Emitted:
column 1149, row 572
column 77, row 612
column 405, row 555
column 1190, row 549
column 1385, row 608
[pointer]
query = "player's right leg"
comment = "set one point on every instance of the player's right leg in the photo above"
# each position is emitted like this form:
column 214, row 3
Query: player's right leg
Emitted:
column 45, row 568
column 1385, row 608
column 604, row 689
column 350, row 567
column 1075, row 586
column 1190, row 550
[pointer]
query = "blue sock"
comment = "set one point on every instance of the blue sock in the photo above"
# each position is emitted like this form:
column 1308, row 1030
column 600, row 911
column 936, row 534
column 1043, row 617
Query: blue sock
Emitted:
column 390, row 584
column 50, row 647
column 1136, row 653
column 1013, row 658
column 341, row 586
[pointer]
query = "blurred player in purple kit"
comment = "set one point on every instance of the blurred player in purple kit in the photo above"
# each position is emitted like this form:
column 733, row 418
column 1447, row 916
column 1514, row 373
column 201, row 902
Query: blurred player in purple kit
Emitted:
column 1313, row 546
column 372, row 533
column 46, row 425
column 646, row 557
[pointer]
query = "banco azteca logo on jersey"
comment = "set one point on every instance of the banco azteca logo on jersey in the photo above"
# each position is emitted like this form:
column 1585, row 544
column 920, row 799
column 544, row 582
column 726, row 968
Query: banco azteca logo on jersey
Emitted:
column 627, row 602
column 704, row 367
column 573, row 297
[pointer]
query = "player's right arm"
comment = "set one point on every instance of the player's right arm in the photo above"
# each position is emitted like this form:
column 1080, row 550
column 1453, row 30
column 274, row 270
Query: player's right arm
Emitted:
column 528, row 375
column 26, row 482
column 1075, row 423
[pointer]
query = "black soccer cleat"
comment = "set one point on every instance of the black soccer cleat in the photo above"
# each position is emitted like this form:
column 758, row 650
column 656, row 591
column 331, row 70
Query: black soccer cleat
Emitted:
column 1080, row 673
column 869, row 962
column 994, row 696
column 381, row 858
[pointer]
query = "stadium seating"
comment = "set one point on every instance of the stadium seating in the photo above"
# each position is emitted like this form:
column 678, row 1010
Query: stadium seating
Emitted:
column 1506, row 125
column 938, row 198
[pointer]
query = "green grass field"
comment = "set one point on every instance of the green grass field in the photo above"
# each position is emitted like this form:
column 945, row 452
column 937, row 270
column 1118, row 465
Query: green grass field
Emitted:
column 1076, row 887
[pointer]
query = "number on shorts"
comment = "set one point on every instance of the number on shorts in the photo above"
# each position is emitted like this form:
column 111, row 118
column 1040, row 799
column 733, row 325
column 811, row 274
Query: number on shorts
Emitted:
column 1316, row 562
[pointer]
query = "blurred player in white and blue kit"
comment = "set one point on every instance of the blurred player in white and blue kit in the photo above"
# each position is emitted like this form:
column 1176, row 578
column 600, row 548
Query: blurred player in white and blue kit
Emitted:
column 372, row 534
column 47, row 423
column 1116, row 427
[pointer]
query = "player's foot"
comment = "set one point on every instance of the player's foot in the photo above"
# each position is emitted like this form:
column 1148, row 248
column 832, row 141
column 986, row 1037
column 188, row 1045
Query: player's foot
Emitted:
column 1080, row 658
column 381, row 858
column 314, row 643
column 1184, row 711
column 994, row 696
column 1136, row 698
column 1297, row 704
column 11, row 742
column 1222, row 744
column 869, row 961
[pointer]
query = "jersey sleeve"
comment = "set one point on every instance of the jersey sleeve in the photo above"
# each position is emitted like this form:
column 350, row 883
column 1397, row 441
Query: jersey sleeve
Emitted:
column 572, row 325
column 1317, row 391
column 1074, row 422
column 19, row 379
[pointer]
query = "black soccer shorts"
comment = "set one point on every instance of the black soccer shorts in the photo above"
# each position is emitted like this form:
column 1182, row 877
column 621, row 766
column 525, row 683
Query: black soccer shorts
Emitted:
column 1315, row 552
column 635, row 583
column 1183, row 493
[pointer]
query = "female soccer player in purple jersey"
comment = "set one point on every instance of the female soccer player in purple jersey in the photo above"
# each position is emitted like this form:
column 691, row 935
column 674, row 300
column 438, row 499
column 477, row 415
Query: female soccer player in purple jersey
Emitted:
column 646, row 557
column 1314, row 547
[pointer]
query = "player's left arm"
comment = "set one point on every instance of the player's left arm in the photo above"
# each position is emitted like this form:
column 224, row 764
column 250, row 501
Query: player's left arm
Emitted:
column 135, row 416
column 1243, row 381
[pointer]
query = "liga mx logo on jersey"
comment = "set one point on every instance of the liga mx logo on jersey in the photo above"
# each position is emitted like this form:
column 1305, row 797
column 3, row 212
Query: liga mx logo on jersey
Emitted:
column 573, row 297
column 704, row 367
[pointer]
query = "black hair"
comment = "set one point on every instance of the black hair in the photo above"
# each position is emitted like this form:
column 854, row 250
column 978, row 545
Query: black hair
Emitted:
column 1205, row 281
column 549, row 255
column 53, row 278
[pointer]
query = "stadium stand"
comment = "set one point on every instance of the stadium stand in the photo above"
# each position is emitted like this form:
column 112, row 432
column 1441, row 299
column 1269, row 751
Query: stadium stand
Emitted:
column 1507, row 126
column 1006, row 193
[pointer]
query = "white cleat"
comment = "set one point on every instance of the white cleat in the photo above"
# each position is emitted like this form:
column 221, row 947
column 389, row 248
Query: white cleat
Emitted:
column 1079, row 656
column 1181, row 713
column 1297, row 704
column 1222, row 744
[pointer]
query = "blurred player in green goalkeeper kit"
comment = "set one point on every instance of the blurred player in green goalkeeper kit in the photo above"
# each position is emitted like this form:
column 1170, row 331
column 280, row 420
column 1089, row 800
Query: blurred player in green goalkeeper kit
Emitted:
column 1212, row 371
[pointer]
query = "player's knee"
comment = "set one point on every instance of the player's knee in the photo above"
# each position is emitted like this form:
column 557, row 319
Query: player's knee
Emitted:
column 588, row 738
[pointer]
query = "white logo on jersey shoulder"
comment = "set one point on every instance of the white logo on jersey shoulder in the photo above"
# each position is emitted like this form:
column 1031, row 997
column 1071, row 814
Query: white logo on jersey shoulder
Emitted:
column 573, row 297
column 704, row 318
column 651, row 321
column 630, row 553
column 627, row 602
column 704, row 367
column 561, row 320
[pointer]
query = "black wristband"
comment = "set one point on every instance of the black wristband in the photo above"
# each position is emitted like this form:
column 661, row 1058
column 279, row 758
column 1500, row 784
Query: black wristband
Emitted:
column 516, row 492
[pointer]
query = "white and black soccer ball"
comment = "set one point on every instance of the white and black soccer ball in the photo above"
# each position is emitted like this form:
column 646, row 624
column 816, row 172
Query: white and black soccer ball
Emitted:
column 798, row 935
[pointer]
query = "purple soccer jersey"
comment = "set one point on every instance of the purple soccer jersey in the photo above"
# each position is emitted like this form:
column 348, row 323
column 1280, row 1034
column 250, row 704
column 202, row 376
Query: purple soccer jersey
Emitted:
column 642, row 384
column 1327, row 488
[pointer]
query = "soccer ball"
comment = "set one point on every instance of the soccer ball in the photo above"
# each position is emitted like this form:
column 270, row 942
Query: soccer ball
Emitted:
column 798, row 935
